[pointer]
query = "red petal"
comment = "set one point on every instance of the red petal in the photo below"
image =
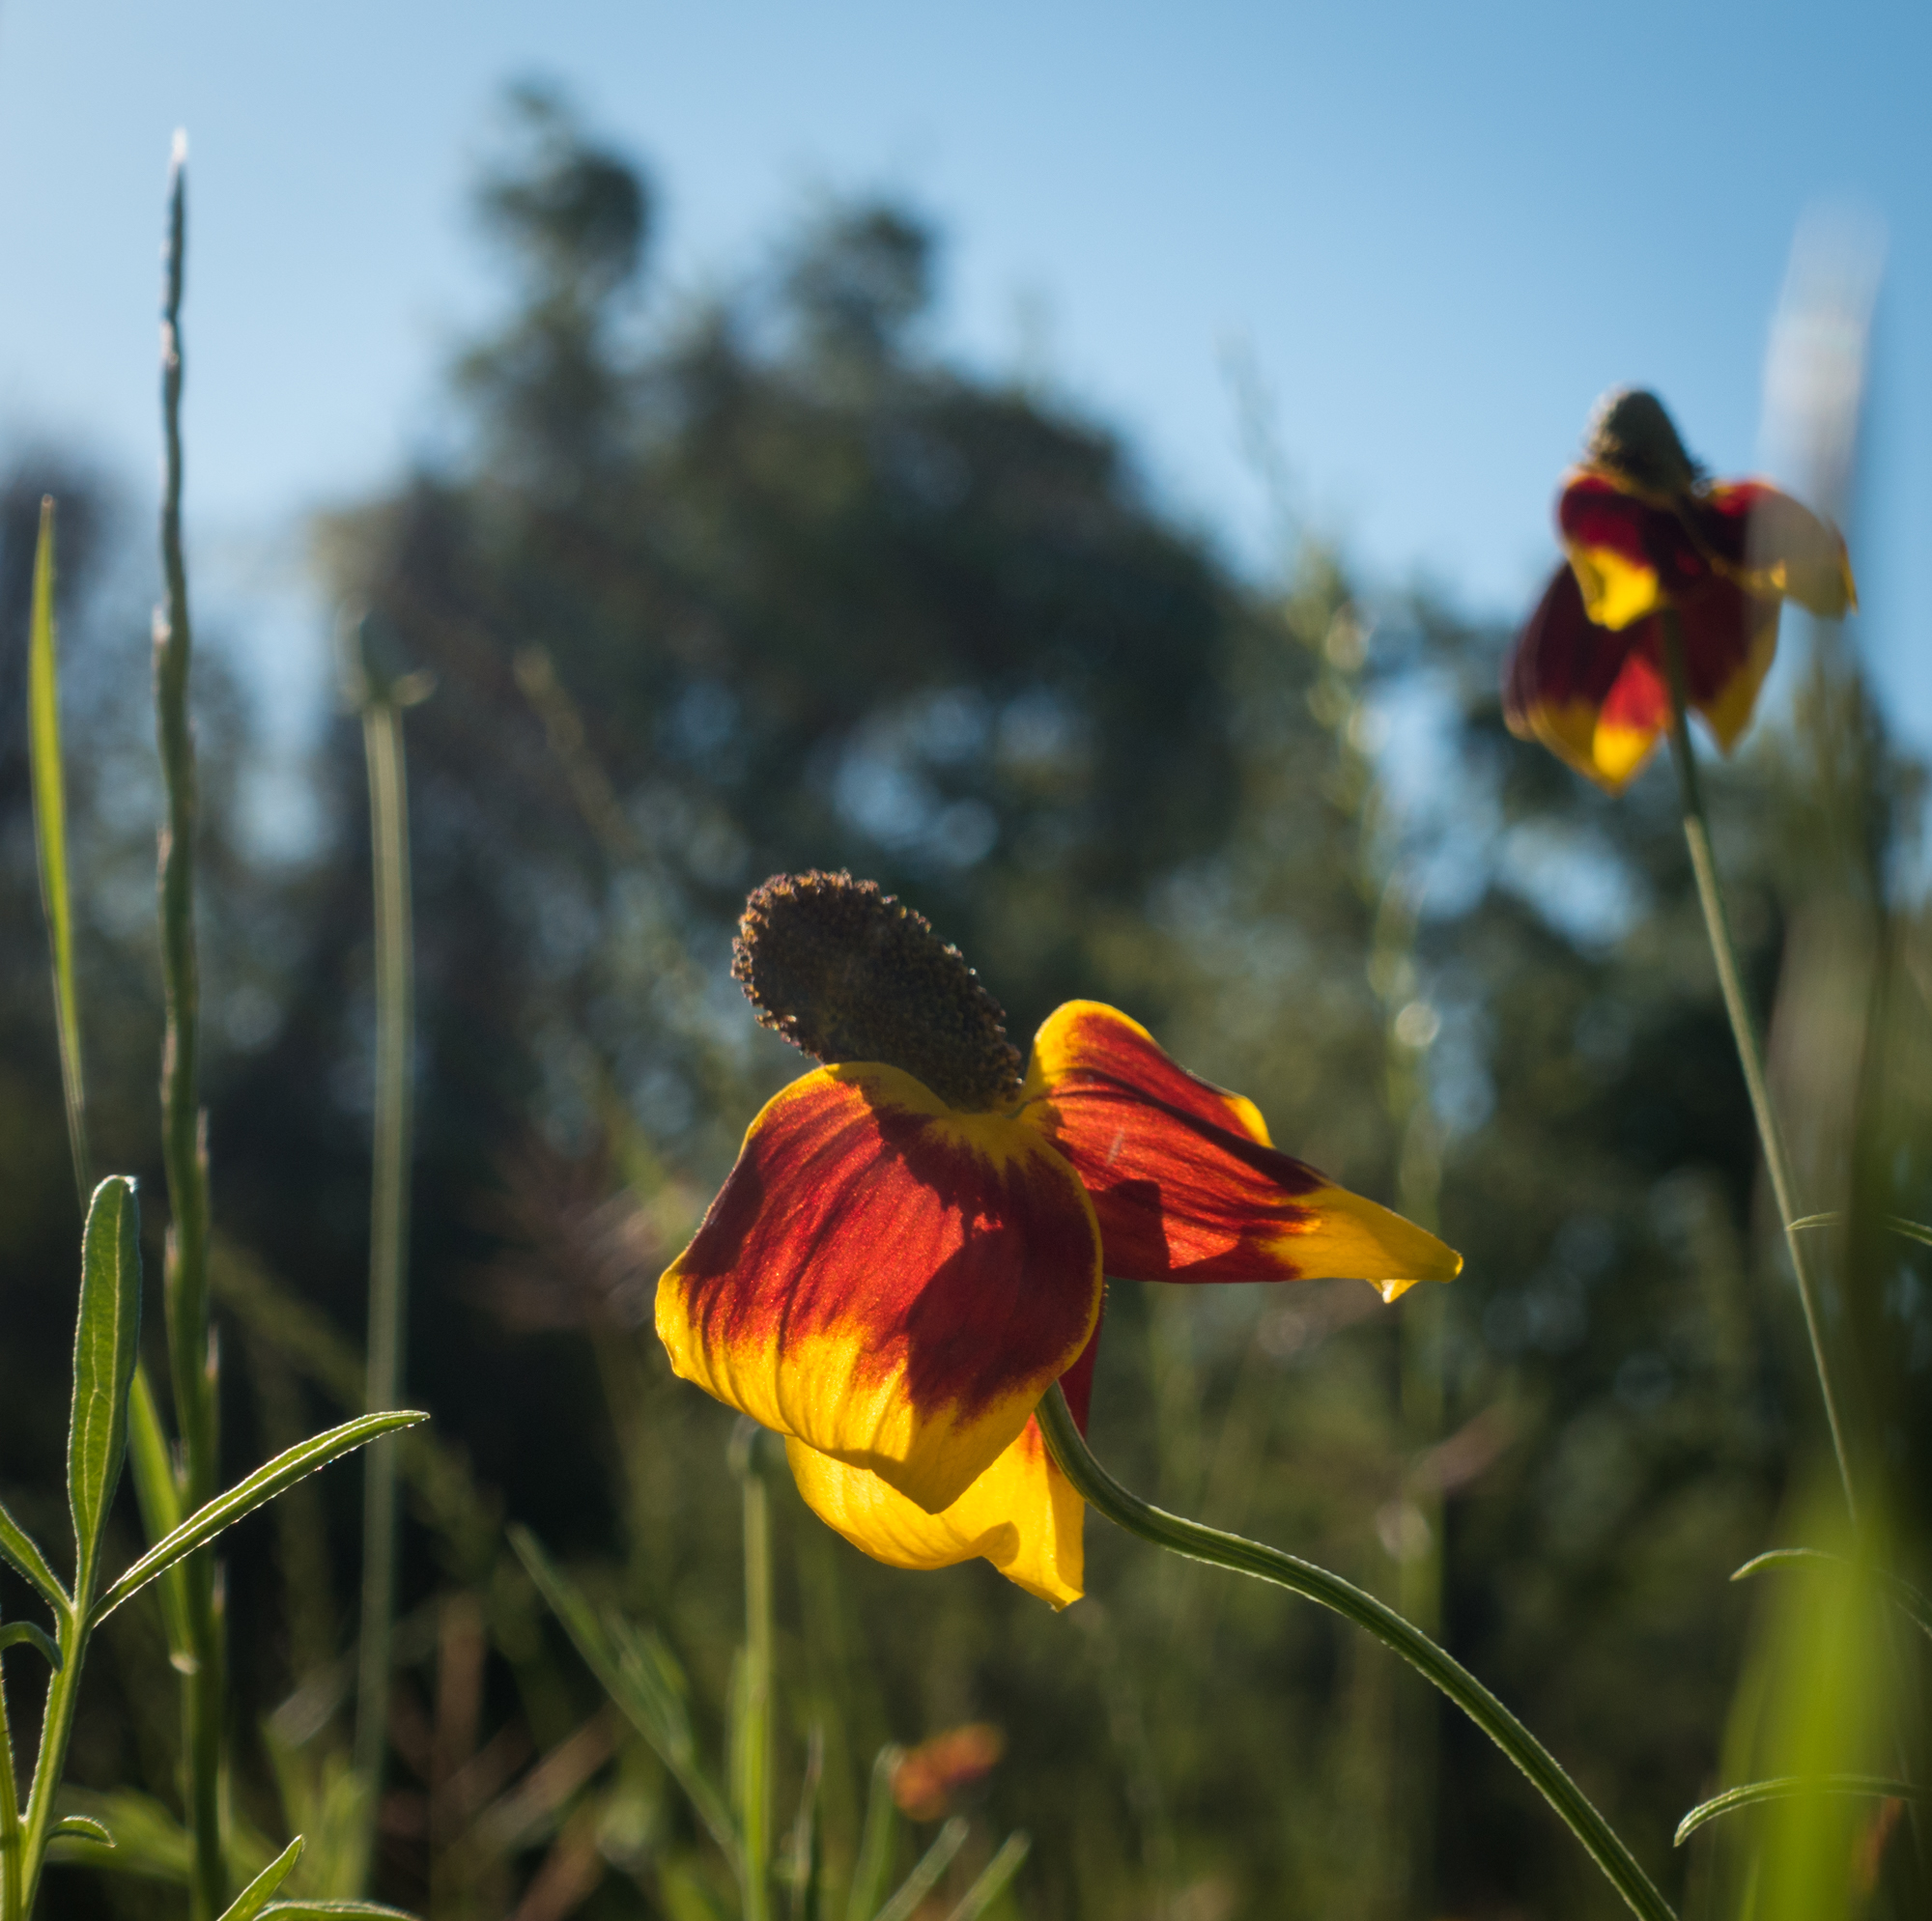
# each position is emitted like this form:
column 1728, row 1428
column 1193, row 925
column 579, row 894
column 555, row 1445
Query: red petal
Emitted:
column 1632, row 553
column 1593, row 698
column 887, row 1280
column 1181, row 1176
column 1730, row 638
column 1770, row 544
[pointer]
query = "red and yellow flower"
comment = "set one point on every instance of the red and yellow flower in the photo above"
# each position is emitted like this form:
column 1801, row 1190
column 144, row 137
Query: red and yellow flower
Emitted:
column 910, row 1250
column 1649, row 538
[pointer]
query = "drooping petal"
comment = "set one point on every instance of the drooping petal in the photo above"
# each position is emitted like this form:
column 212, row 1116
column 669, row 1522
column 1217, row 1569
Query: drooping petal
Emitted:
column 890, row 1281
column 1632, row 554
column 1183, row 1180
column 1022, row 1514
column 1593, row 698
column 1768, row 544
column 1730, row 638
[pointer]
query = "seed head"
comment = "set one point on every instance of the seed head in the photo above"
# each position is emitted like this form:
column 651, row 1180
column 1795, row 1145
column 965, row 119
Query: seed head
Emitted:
column 1634, row 439
column 846, row 973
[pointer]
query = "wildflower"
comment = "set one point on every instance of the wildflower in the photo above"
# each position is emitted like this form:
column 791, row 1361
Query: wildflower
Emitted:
column 1648, row 536
column 909, row 1250
column 928, row 1779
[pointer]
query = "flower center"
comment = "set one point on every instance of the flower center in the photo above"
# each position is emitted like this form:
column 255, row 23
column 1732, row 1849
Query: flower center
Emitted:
column 847, row 973
column 1633, row 437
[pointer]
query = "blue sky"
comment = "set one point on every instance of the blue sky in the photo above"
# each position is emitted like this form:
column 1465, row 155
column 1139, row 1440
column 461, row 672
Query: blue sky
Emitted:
column 1439, row 231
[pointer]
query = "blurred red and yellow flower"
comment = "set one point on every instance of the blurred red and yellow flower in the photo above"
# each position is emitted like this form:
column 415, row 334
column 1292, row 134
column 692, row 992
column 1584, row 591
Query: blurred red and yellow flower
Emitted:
column 910, row 1250
column 930, row 1778
column 1648, row 536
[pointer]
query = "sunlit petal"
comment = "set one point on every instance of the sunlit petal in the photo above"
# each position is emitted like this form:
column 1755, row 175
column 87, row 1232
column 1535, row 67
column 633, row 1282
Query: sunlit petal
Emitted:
column 1021, row 1514
column 888, row 1282
column 1182, row 1179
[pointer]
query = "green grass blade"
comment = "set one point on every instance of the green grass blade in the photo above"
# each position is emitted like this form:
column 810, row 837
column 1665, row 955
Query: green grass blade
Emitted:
column 874, row 1865
column 751, row 1696
column 323, row 1910
column 259, row 1487
column 21, row 1552
column 106, row 1339
column 1902, row 1595
column 803, row 1850
column 925, row 1876
column 1754, row 1794
column 993, row 1877
column 49, row 783
column 637, row 1675
column 158, row 1493
column 262, row 1890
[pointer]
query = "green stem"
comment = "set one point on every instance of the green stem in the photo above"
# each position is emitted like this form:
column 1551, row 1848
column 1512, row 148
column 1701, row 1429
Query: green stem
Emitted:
column 1744, row 1033
column 10, row 1822
column 755, row 1708
column 1100, row 1491
column 51, row 1763
column 184, row 1141
column 388, row 1234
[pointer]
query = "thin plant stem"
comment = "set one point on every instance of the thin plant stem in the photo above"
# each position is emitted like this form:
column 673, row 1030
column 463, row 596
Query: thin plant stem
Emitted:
column 1100, row 1491
column 388, row 1233
column 1744, row 1033
column 753, row 1730
column 56, row 1730
column 191, row 1352
column 10, row 1837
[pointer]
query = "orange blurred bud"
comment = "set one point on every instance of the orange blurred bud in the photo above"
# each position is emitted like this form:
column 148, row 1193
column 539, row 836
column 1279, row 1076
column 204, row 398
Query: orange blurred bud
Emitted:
column 929, row 1775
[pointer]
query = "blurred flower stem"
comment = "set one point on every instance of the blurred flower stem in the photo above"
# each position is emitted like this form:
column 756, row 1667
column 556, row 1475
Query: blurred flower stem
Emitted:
column 382, row 702
column 1743, row 1032
column 752, row 1693
column 1101, row 1492
column 191, row 1352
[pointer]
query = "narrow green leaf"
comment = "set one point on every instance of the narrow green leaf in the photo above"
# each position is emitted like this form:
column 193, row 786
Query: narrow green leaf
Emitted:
column 259, row 1487
column 993, row 1877
column 80, row 1827
column 159, row 1495
column 19, row 1551
column 1755, row 1793
column 804, row 1852
column 925, row 1878
column 24, row 1634
column 319, row 1911
column 43, row 749
column 1902, row 1595
column 106, row 1338
column 148, row 1839
column 259, row 1892
column 640, row 1675
column 874, row 1865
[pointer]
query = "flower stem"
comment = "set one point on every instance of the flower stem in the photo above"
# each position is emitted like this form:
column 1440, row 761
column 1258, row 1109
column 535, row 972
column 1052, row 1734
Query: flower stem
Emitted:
column 1743, row 1032
column 184, row 1141
column 1100, row 1491
column 388, row 1243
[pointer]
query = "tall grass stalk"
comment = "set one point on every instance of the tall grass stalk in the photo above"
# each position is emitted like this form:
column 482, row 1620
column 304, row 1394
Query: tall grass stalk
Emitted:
column 388, row 1222
column 192, row 1351
column 1744, row 1033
